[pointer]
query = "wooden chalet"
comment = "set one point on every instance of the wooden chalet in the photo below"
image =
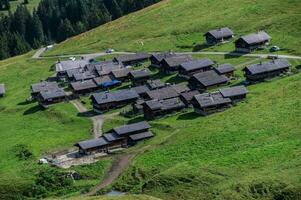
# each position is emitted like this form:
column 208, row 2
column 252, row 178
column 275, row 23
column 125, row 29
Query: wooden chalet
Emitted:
column 155, row 108
column 180, row 88
column 106, row 82
column 236, row 94
column 208, row 103
column 88, row 147
column 48, row 97
column 115, row 141
column 138, row 106
column 2, row 90
column 262, row 71
column 225, row 69
column 158, row 57
column 207, row 80
column 155, row 84
column 139, row 77
column 83, row 87
column 163, row 93
column 62, row 67
column 173, row 63
column 83, row 76
column 218, row 35
column 104, row 68
column 189, row 68
column 132, row 59
column 187, row 97
column 141, row 91
column 105, row 101
column 121, row 74
column 42, row 86
column 251, row 42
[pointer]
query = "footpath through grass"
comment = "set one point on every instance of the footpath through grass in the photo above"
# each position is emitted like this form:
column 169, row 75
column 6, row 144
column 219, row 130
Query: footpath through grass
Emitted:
column 179, row 25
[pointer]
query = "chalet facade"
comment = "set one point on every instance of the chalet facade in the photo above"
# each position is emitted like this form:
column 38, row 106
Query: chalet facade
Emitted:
column 156, row 108
column 187, row 97
column 2, row 90
column 46, row 98
column 190, row 68
column 172, row 64
column 262, row 71
column 132, row 59
column 88, row 147
column 236, row 94
column 209, row 103
column 42, row 86
column 105, row 101
column 141, row 91
column 61, row 67
column 139, row 77
column 207, row 80
column 157, row 58
column 218, row 35
column 121, row 74
column 251, row 42
column 225, row 69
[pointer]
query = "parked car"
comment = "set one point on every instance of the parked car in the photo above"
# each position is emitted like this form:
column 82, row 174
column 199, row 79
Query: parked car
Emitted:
column 275, row 48
column 110, row 50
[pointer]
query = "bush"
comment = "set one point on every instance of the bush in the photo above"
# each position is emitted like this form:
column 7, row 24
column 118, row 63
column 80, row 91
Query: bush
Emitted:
column 22, row 152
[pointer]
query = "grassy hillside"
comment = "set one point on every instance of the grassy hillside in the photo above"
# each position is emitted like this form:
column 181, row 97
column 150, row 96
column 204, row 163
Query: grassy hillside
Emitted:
column 179, row 25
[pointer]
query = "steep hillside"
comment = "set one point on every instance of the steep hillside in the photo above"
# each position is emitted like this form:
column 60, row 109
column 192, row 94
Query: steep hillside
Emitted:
column 179, row 25
column 31, row 5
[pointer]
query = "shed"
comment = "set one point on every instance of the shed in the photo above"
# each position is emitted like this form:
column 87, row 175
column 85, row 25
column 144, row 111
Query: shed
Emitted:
column 207, row 80
column 121, row 74
column 48, row 97
column 187, row 69
column 172, row 64
column 133, row 139
column 225, row 69
column 132, row 59
column 115, row 141
column 155, row 84
column 219, row 35
column 163, row 93
column 236, row 93
column 252, row 42
column 139, row 77
column 158, row 57
column 141, row 90
column 36, row 88
column 83, row 87
column 187, row 97
column 99, row 145
column 131, row 129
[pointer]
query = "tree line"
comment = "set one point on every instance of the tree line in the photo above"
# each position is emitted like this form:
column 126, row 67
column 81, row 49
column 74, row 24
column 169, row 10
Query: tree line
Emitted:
column 57, row 20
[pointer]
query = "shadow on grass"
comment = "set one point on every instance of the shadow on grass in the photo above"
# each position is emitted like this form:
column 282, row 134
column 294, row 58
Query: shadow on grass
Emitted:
column 89, row 113
column 136, row 119
column 24, row 103
column 200, row 47
column 33, row 110
column 234, row 54
column 298, row 67
column 189, row 116
column 176, row 79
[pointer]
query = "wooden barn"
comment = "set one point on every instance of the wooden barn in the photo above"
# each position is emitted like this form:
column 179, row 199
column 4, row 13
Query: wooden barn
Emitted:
column 132, row 59
column 139, row 77
column 121, row 74
column 173, row 63
column 236, row 94
column 225, row 69
column 48, row 97
column 155, row 84
column 105, row 101
column 2, row 90
column 163, row 93
column 83, row 87
column 207, row 80
column 187, row 69
column 218, row 35
column 141, row 91
column 262, row 71
column 251, row 42
column 62, row 67
column 208, row 103
column 155, row 108
column 36, row 88
column 187, row 97
column 88, row 147
column 158, row 57
column 115, row 141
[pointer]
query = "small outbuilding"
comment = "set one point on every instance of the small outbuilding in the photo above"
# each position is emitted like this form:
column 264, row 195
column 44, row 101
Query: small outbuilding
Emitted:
column 251, row 42
column 132, row 59
column 36, row 88
column 158, row 57
column 219, row 35
column 187, row 97
column 49, row 97
column 121, row 74
column 262, row 71
column 155, row 84
column 225, row 69
column 207, row 80
column 208, row 103
column 2, row 90
column 141, row 90
column 187, row 69
column 88, row 147
column 172, row 64
column 83, row 87
column 139, row 77
column 163, row 93
column 236, row 94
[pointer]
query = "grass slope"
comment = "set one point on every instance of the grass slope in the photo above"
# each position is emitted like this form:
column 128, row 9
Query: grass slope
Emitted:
column 179, row 25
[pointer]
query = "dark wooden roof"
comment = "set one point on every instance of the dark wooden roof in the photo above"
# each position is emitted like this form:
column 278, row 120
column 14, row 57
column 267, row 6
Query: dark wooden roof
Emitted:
column 270, row 66
column 132, row 57
column 83, row 85
column 52, row 94
column 2, row 89
column 106, row 67
column 65, row 65
column 221, row 33
column 180, row 88
column 155, row 84
column 210, row 78
column 188, row 96
column 121, row 73
column 163, row 93
column 44, row 86
column 225, row 68
column 101, row 80
column 141, row 136
column 165, row 105
column 137, row 74
column 91, row 144
column 141, row 89
column 211, row 99
column 255, row 38
column 196, row 64
column 111, row 137
column 234, row 91
column 83, row 76
column 132, row 128
column 160, row 56
column 116, row 96
column 177, row 60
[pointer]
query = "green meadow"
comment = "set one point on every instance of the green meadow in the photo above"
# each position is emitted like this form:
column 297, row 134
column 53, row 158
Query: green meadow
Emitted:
column 179, row 25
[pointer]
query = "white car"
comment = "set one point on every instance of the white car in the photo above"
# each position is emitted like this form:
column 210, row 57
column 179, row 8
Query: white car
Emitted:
column 110, row 50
